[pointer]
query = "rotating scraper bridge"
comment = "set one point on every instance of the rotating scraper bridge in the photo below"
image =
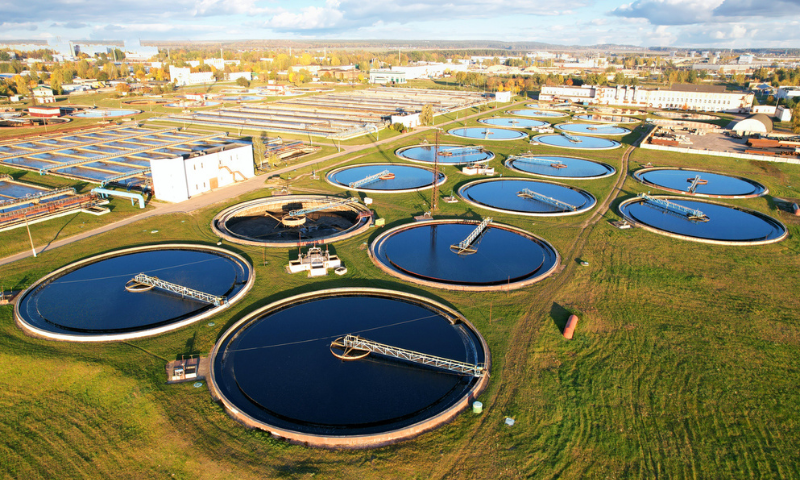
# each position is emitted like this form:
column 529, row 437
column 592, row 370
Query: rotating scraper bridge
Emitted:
column 338, row 116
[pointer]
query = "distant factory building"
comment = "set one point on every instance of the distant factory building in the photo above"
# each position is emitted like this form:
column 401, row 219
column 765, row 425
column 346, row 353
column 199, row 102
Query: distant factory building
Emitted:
column 237, row 75
column 183, row 177
column 678, row 96
column 184, row 76
column 383, row 77
column 758, row 123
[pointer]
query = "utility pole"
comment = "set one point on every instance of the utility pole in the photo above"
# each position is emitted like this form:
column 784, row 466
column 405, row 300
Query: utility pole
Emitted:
column 33, row 249
column 435, row 197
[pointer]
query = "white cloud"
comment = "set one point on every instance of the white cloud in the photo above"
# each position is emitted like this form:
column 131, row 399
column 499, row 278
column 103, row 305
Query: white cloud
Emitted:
column 669, row 12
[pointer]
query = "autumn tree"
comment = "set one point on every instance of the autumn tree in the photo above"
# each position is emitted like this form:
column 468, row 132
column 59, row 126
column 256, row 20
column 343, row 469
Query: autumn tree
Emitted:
column 426, row 115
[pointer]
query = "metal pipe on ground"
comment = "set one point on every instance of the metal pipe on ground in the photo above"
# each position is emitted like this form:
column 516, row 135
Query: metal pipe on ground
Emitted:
column 105, row 193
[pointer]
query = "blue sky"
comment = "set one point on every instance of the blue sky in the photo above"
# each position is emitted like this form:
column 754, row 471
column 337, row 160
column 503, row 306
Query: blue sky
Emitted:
column 693, row 23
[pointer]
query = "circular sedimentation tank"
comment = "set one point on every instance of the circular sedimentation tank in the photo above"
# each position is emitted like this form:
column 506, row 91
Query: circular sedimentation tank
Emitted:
column 267, row 221
column 553, row 166
column 502, row 257
column 600, row 118
column 105, row 113
column 678, row 180
column 719, row 223
column 279, row 370
column 487, row 133
column 592, row 129
column 448, row 154
column 582, row 142
column 510, row 122
column 532, row 112
column 96, row 299
column 394, row 178
column 509, row 195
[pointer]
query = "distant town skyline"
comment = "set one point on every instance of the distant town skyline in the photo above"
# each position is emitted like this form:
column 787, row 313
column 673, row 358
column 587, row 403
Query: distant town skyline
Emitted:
column 678, row 23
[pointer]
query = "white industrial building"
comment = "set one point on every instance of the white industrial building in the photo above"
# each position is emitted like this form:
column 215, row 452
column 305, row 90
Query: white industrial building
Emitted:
column 783, row 114
column 787, row 91
column 429, row 70
column 383, row 77
column 184, row 76
column 678, row 96
column 183, row 177
column 237, row 75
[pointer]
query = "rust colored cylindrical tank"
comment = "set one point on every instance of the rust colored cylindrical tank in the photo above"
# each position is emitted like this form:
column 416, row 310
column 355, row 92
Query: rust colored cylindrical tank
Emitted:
column 569, row 330
column 796, row 209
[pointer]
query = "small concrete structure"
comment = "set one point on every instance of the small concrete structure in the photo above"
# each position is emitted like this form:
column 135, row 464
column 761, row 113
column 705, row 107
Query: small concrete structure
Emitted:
column 477, row 169
column 316, row 263
column 187, row 370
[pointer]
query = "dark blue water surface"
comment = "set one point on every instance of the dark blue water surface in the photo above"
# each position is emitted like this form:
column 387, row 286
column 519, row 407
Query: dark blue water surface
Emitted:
column 592, row 129
column 279, row 368
column 502, row 194
column 576, row 167
column 718, row 184
column 588, row 143
column 502, row 255
column 406, row 177
column 487, row 133
column 448, row 154
column 513, row 122
column 725, row 223
column 92, row 299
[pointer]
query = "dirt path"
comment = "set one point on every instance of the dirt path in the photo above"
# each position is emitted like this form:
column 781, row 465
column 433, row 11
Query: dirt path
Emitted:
column 225, row 193
column 515, row 358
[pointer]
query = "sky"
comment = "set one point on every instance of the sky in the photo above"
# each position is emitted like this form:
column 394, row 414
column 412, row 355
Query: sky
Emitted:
column 667, row 23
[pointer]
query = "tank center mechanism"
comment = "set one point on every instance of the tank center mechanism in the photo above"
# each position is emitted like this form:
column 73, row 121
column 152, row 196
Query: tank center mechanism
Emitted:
column 353, row 347
column 144, row 283
column 571, row 138
column 384, row 175
column 675, row 209
column 467, row 246
column 695, row 182
column 529, row 158
column 448, row 152
column 530, row 194
column 296, row 218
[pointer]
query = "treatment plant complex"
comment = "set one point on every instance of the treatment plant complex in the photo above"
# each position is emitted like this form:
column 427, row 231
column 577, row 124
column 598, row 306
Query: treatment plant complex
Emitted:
column 417, row 279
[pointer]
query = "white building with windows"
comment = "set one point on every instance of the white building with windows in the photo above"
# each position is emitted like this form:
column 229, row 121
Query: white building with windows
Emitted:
column 786, row 91
column 183, row 177
column 184, row 76
column 383, row 77
column 678, row 96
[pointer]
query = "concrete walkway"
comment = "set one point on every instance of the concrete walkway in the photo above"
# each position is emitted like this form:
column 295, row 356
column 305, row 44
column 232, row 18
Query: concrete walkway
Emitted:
column 223, row 194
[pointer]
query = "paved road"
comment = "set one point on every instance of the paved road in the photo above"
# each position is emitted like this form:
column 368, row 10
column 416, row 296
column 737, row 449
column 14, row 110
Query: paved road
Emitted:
column 220, row 195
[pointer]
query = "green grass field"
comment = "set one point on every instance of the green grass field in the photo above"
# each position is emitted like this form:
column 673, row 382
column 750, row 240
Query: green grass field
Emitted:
column 684, row 362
